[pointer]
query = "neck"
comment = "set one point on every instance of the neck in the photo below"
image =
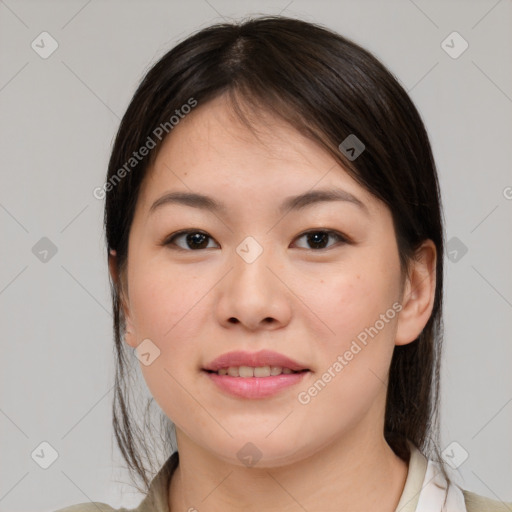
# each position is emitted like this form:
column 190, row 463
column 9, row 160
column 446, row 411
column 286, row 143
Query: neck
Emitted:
column 354, row 474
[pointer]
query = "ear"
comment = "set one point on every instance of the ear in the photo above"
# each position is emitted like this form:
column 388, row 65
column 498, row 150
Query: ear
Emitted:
column 418, row 294
column 129, row 334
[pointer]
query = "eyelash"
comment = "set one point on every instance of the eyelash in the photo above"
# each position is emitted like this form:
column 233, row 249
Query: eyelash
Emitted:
column 169, row 240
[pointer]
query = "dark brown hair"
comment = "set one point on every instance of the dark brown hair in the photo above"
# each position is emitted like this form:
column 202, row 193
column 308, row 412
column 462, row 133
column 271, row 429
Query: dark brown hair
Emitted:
column 327, row 87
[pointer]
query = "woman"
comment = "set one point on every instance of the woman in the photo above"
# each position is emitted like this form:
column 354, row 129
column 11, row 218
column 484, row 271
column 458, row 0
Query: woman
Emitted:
column 275, row 240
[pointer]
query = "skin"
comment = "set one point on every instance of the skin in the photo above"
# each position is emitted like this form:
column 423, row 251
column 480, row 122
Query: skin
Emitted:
column 328, row 454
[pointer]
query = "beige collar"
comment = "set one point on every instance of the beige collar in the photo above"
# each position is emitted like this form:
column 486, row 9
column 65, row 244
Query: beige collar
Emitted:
column 414, row 482
column 427, row 489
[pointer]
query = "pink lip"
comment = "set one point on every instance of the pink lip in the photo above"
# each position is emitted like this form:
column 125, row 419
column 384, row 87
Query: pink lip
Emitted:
column 255, row 359
column 255, row 387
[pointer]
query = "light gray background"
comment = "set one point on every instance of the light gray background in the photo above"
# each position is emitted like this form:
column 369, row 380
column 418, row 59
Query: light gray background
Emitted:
column 58, row 118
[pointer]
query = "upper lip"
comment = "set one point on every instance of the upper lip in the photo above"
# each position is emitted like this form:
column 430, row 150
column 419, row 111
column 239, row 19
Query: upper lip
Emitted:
column 254, row 359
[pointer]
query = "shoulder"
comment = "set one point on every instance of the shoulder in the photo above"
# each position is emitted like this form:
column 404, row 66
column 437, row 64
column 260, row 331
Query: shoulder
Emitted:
column 155, row 499
column 91, row 507
column 477, row 503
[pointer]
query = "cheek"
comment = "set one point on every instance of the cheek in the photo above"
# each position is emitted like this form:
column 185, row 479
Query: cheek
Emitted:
column 165, row 306
column 354, row 301
column 355, row 361
column 158, row 294
column 358, row 307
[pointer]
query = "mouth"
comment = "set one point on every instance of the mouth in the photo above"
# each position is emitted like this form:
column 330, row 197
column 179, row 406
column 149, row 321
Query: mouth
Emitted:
column 254, row 375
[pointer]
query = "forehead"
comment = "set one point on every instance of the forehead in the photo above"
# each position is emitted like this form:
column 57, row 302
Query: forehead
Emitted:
column 212, row 152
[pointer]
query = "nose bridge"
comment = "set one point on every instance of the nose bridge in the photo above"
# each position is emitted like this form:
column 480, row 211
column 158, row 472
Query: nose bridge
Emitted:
column 251, row 259
column 251, row 250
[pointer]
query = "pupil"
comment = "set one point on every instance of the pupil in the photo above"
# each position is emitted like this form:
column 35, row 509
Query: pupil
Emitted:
column 196, row 238
column 317, row 238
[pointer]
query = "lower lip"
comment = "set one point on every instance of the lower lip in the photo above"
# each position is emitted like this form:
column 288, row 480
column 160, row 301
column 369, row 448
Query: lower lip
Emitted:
column 255, row 387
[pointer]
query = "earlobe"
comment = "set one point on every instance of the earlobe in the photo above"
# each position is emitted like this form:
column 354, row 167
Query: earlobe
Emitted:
column 129, row 334
column 129, row 338
column 112, row 265
column 419, row 294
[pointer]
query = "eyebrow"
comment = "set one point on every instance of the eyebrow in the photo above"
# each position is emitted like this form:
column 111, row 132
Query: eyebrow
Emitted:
column 295, row 203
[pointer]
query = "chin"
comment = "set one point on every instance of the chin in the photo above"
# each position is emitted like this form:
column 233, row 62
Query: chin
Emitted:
column 260, row 452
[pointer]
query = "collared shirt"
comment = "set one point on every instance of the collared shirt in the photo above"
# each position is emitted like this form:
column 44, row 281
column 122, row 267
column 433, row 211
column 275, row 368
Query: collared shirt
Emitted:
column 416, row 491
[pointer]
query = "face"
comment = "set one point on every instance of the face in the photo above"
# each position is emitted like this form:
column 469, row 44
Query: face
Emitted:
column 319, row 283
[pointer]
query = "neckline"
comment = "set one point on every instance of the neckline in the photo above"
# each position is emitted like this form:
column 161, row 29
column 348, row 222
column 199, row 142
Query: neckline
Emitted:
column 157, row 499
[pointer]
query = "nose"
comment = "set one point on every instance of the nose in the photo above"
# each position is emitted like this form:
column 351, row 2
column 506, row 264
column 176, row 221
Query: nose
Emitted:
column 254, row 293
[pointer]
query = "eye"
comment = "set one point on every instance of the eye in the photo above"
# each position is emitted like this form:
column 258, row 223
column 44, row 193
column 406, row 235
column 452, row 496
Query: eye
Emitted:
column 196, row 239
column 193, row 238
column 319, row 237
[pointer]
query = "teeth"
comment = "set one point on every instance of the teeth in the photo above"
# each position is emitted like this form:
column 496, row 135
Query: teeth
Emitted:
column 233, row 371
column 249, row 371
